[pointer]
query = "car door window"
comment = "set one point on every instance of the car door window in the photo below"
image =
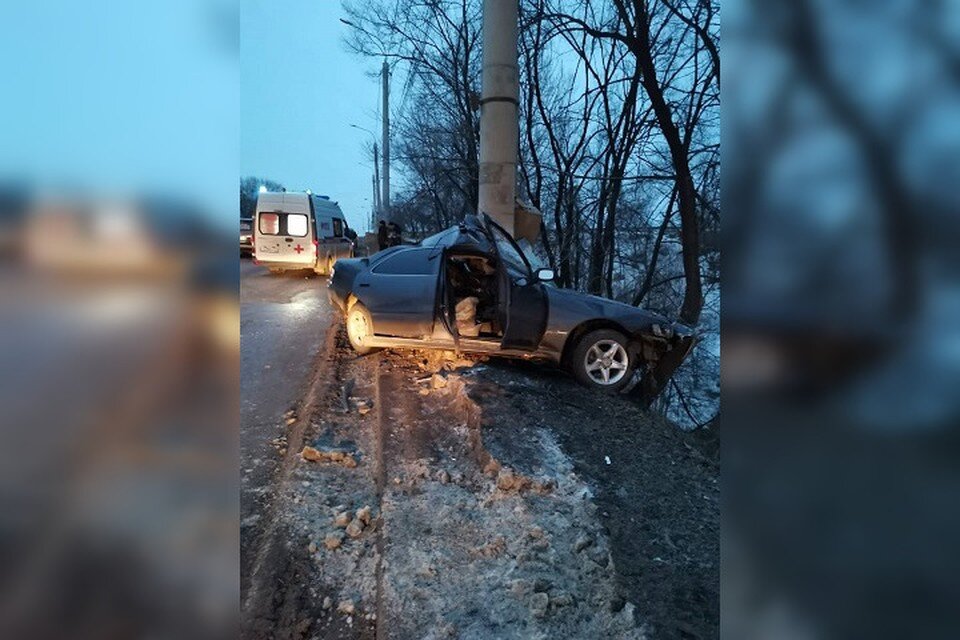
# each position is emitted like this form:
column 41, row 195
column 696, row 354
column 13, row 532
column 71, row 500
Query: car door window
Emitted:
column 337, row 228
column 415, row 262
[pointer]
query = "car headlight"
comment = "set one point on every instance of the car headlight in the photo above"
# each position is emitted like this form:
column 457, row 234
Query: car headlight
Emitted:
column 661, row 331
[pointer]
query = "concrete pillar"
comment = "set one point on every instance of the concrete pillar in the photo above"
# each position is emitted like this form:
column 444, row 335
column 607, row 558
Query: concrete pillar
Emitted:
column 499, row 127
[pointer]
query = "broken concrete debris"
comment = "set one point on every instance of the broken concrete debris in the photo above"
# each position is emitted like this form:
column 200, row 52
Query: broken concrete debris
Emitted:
column 561, row 599
column 437, row 381
column 327, row 602
column 491, row 549
column 364, row 407
column 313, row 454
column 509, row 480
column 364, row 515
column 582, row 543
column 347, row 607
column 355, row 528
column 333, row 540
column 539, row 603
column 342, row 519
column 541, row 585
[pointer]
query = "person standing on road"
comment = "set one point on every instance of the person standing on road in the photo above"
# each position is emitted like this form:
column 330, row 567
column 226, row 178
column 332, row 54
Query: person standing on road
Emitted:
column 383, row 236
column 394, row 233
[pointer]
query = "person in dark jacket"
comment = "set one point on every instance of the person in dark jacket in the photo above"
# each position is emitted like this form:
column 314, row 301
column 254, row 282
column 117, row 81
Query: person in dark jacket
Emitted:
column 383, row 235
column 394, row 232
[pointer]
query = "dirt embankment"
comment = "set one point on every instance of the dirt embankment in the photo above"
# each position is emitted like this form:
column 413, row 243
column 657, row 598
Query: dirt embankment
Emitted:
column 470, row 514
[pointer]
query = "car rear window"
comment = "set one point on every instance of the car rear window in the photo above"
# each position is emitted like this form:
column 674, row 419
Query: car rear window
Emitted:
column 270, row 224
column 414, row 262
column 296, row 225
column 283, row 224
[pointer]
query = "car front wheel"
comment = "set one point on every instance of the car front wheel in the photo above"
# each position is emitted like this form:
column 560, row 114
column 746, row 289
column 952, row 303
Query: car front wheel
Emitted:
column 359, row 328
column 601, row 360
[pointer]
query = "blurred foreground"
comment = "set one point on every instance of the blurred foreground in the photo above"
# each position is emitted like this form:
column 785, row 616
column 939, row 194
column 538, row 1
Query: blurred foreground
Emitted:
column 119, row 331
column 118, row 448
column 841, row 334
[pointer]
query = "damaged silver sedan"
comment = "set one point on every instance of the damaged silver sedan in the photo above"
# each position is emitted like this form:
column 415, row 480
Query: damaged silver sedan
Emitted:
column 471, row 288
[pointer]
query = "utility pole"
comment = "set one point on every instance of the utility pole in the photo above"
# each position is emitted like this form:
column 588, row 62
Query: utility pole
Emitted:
column 373, row 204
column 385, row 200
column 377, row 204
column 499, row 126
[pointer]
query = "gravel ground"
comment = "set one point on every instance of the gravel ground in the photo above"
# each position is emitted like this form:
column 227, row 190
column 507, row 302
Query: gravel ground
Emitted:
column 476, row 502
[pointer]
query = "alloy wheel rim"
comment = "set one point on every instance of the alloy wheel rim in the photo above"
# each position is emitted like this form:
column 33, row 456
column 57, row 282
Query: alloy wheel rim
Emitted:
column 606, row 362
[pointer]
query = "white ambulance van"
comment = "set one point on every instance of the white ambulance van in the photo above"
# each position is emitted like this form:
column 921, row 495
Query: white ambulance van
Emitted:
column 294, row 231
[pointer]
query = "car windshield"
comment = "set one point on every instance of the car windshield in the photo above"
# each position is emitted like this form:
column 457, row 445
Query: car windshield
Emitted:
column 509, row 253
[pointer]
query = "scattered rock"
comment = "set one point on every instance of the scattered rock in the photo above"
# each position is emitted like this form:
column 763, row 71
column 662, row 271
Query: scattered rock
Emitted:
column 327, row 602
column 312, row 547
column 535, row 533
column 491, row 549
column 508, row 480
column 520, row 587
column 539, row 603
column 355, row 528
column 443, row 477
column 582, row 543
column 347, row 607
column 541, row 545
column 363, row 407
column 561, row 599
column 437, row 381
column 364, row 515
column 541, row 585
column 342, row 519
column 333, row 540
column 312, row 454
column 424, row 392
column 291, row 420
column 617, row 604
column 599, row 556
column 426, row 571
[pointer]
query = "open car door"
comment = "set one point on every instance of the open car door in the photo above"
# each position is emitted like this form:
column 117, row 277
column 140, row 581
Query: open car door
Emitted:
column 523, row 301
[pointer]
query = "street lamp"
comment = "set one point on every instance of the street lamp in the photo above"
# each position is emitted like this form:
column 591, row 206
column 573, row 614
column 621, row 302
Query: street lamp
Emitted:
column 365, row 129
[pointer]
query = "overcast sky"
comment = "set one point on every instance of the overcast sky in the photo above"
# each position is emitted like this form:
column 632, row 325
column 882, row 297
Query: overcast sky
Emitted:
column 300, row 91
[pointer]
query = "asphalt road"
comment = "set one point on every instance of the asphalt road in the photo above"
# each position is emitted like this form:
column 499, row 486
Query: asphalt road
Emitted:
column 284, row 320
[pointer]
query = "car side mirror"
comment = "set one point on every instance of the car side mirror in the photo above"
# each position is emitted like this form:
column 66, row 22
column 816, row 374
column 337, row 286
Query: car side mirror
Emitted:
column 545, row 275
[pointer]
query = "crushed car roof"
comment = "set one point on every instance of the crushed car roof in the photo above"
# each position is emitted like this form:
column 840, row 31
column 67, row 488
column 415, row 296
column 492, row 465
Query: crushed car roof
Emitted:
column 470, row 233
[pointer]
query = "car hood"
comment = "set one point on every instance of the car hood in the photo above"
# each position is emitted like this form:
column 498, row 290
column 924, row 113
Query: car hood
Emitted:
column 591, row 306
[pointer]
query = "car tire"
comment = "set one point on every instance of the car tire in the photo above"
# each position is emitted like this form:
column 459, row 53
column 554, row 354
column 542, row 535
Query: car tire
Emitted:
column 359, row 324
column 601, row 360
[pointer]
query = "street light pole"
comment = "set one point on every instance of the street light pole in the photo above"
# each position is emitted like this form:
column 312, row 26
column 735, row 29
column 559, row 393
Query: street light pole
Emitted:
column 385, row 201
